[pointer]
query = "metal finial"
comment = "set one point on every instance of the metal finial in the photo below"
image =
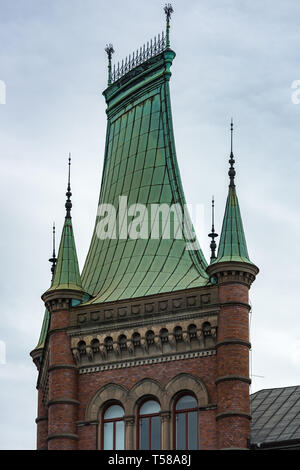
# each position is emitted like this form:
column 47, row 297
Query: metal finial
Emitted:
column 168, row 9
column 213, row 234
column 231, row 172
column 109, row 51
column 68, row 204
column 53, row 260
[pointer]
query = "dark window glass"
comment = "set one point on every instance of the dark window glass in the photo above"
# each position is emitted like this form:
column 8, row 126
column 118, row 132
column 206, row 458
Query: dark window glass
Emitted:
column 186, row 402
column 113, row 428
column 155, row 433
column 180, row 431
column 192, row 428
column 144, row 434
column 186, row 423
column 149, row 426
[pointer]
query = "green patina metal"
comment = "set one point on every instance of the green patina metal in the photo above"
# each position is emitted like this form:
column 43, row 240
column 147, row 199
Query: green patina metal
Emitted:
column 232, row 246
column 140, row 163
column 44, row 331
column 67, row 275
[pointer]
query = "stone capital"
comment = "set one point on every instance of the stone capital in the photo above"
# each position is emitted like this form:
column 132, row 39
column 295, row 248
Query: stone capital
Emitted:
column 233, row 271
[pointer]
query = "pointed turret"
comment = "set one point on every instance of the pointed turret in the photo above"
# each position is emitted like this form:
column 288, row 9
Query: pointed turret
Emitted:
column 233, row 273
column 232, row 246
column 66, row 274
column 65, row 292
column 64, row 269
column 37, row 352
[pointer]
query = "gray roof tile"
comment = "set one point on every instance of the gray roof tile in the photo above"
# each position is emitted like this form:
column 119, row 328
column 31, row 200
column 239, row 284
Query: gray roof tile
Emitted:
column 275, row 415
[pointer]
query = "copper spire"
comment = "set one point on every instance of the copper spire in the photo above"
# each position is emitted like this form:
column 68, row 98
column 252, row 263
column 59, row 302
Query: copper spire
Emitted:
column 213, row 234
column 231, row 171
column 53, row 260
column 168, row 9
column 68, row 204
column 109, row 51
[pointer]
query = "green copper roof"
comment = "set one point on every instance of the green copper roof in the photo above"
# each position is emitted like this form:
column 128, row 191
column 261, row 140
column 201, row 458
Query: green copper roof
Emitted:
column 44, row 331
column 66, row 275
column 232, row 246
column 140, row 163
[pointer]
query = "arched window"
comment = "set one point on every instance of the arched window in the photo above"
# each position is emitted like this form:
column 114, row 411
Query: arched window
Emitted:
column 113, row 428
column 149, row 426
column 186, row 423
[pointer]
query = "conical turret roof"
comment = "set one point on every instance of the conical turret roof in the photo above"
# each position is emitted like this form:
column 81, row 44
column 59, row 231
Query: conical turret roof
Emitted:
column 232, row 246
column 67, row 275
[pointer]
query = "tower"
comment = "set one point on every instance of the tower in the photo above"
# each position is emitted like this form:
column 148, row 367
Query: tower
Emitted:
column 138, row 352
column 234, row 273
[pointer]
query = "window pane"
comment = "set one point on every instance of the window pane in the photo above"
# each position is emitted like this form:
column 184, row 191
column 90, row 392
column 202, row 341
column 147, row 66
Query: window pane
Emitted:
column 193, row 430
column 108, row 436
column 150, row 407
column 180, row 431
column 155, row 433
column 114, row 411
column 119, row 435
column 144, row 434
column 186, row 402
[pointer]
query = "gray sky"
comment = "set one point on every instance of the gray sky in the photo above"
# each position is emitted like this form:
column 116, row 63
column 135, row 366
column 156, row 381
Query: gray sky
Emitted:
column 232, row 59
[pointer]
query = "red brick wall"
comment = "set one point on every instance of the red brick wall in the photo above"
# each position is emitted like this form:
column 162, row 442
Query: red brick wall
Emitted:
column 216, row 429
column 207, row 430
column 203, row 367
column 88, row 437
column 42, row 423
column 63, row 387
column 233, row 425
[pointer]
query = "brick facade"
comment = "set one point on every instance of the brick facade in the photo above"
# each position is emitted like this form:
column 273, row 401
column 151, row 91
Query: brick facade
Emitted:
column 71, row 417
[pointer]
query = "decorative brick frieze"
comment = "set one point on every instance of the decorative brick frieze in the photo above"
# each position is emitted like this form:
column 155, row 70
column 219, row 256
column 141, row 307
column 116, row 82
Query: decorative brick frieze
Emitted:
column 148, row 341
column 233, row 272
column 142, row 308
column 149, row 361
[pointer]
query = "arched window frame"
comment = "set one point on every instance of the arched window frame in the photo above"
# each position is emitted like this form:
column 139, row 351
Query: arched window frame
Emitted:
column 111, row 420
column 151, row 415
column 184, row 411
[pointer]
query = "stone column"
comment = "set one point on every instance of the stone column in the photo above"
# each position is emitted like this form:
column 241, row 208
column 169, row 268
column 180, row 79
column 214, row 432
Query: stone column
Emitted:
column 129, row 432
column 166, row 430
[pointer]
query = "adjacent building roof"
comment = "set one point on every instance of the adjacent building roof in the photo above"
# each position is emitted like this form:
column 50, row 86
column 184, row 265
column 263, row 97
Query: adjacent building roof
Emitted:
column 275, row 417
